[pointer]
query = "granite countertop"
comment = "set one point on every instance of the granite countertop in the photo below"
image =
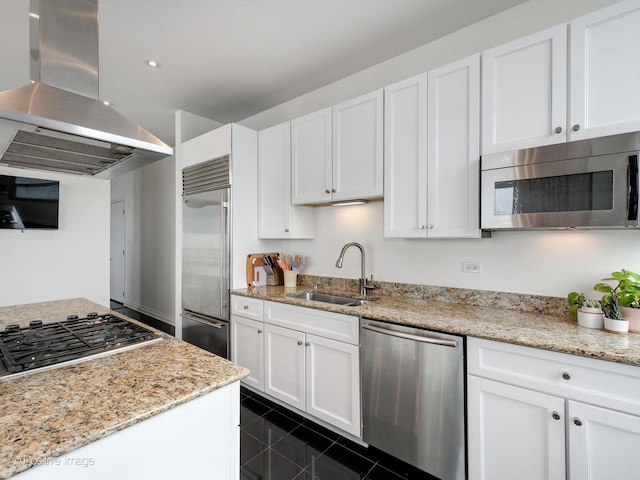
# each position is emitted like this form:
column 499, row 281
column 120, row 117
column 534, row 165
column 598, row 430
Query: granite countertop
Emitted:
column 49, row 413
column 557, row 332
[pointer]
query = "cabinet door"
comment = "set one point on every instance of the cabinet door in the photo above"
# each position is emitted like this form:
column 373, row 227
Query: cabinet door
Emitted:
column 453, row 173
column 603, row 444
column 285, row 365
column 524, row 86
column 311, row 158
column 333, row 382
column 277, row 218
column 274, row 158
column 357, row 147
column 513, row 432
column 247, row 349
column 605, row 72
column 405, row 158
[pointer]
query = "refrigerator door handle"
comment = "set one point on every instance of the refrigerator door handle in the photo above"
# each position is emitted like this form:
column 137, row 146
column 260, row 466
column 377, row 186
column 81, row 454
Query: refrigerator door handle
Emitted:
column 202, row 319
column 224, row 254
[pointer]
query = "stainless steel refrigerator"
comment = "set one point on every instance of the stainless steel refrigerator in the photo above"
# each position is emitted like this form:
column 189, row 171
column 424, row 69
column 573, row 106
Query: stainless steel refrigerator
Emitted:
column 206, row 255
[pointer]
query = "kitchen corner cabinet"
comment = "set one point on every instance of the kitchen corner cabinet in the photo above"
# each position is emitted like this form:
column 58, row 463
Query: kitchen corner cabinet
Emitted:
column 604, row 72
column 524, row 92
column 432, row 153
column 277, row 217
column 338, row 152
column 533, row 413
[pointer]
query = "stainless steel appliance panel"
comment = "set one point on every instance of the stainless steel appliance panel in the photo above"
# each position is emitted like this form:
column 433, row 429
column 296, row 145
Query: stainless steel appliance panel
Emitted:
column 209, row 334
column 587, row 184
column 205, row 254
column 413, row 396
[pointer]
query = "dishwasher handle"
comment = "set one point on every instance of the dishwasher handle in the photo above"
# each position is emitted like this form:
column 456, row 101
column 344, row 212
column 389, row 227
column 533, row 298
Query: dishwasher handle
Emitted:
column 410, row 336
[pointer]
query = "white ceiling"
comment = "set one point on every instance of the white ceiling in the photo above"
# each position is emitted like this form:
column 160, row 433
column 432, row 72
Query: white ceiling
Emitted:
column 229, row 59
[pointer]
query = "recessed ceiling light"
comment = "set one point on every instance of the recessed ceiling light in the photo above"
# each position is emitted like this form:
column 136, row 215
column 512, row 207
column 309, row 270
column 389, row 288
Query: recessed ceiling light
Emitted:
column 152, row 63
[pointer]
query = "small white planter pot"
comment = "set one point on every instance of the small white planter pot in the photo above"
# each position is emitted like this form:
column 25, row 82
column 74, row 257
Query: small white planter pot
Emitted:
column 590, row 317
column 616, row 326
column 633, row 315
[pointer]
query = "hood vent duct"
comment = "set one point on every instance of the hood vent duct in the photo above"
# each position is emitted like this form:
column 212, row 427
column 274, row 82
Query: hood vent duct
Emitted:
column 57, row 122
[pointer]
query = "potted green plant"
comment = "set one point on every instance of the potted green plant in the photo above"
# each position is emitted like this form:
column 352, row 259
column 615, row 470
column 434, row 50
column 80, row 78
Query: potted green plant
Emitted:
column 627, row 290
column 588, row 311
column 613, row 319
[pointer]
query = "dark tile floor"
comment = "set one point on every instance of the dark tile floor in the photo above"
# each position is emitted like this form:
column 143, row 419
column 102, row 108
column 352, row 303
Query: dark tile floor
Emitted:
column 141, row 317
column 278, row 444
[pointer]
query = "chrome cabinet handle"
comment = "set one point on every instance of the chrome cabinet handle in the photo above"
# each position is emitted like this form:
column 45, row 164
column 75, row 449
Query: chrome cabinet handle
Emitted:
column 555, row 415
column 421, row 227
column 566, row 376
column 327, row 191
column 259, row 331
column 430, row 226
column 286, row 230
column 333, row 190
column 577, row 422
column 558, row 129
column 300, row 342
column 576, row 127
column 246, row 307
column 307, row 344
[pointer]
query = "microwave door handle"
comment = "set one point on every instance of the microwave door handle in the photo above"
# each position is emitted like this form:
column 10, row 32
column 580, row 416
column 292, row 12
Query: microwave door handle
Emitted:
column 632, row 188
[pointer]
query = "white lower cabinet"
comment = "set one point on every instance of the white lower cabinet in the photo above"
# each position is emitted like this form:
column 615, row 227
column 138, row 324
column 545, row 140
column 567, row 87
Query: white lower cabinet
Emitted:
column 512, row 432
column 284, row 365
column 603, row 444
column 247, row 349
column 308, row 359
column 535, row 414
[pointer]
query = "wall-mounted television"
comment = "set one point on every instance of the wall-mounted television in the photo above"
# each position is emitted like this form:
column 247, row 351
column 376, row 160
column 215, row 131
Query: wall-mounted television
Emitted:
column 27, row 203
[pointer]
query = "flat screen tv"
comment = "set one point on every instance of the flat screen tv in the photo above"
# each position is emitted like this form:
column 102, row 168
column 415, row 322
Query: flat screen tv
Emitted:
column 27, row 203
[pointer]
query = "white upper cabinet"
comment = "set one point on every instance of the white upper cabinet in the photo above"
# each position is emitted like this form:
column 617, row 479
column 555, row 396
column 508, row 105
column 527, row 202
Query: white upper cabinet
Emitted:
column 358, row 147
column 524, row 92
column 405, row 158
column 605, row 72
column 432, row 129
column 277, row 218
column 337, row 152
column 311, row 158
column 453, row 172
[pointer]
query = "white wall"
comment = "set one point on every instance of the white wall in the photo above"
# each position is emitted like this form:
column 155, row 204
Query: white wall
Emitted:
column 545, row 263
column 70, row 262
column 149, row 195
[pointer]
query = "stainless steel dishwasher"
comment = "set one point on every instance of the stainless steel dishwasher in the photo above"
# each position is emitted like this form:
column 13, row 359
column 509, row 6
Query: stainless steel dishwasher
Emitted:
column 413, row 396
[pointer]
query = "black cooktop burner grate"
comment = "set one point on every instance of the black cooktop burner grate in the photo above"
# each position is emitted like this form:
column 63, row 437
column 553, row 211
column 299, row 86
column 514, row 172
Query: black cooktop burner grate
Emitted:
column 44, row 344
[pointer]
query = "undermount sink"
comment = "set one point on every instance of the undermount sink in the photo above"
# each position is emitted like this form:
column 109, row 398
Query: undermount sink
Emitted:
column 326, row 298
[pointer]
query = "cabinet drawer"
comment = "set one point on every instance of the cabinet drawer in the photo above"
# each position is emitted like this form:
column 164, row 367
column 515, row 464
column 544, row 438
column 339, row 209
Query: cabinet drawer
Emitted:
column 344, row 328
column 600, row 382
column 247, row 307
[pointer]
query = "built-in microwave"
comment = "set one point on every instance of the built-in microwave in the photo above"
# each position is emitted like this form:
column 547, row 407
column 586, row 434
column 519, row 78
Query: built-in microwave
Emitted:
column 585, row 184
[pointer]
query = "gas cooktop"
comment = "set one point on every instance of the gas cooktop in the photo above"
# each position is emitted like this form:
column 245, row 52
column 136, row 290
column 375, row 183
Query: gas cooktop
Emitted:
column 47, row 345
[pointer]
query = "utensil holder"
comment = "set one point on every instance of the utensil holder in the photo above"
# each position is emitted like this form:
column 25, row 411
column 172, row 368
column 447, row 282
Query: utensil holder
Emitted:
column 290, row 278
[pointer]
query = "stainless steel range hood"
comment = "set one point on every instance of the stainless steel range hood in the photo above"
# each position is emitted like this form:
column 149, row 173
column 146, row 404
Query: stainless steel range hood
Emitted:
column 57, row 122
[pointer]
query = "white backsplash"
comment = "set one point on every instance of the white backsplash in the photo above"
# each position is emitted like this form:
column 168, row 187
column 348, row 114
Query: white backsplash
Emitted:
column 538, row 262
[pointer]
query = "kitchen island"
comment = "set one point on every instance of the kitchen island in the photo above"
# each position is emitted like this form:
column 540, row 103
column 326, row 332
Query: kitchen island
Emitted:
column 153, row 390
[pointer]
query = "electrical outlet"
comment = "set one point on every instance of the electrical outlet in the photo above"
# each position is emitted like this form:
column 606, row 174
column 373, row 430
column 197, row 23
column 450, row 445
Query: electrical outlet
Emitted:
column 471, row 267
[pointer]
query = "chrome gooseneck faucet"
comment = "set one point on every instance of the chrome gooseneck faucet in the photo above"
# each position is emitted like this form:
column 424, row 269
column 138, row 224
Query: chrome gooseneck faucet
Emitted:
column 364, row 285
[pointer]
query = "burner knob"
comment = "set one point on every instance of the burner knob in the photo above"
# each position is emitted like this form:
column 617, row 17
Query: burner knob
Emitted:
column 12, row 328
column 92, row 315
column 35, row 323
column 72, row 317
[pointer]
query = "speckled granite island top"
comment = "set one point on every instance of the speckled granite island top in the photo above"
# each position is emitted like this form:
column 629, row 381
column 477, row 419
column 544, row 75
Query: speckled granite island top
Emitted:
column 52, row 412
column 541, row 329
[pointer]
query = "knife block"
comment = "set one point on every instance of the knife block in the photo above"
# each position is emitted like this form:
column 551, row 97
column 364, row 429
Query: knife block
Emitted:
column 255, row 260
